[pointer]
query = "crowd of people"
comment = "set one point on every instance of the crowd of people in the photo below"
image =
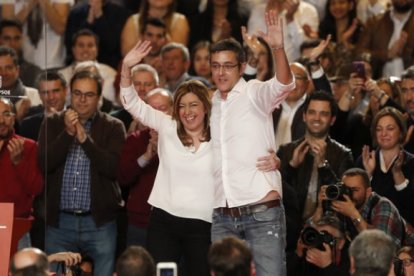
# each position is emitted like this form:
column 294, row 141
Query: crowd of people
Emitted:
column 165, row 127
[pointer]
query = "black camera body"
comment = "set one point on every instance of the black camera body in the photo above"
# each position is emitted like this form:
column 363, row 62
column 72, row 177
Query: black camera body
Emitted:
column 313, row 238
column 335, row 192
column 398, row 267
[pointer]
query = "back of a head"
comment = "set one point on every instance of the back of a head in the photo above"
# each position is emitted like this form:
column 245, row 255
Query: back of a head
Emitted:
column 135, row 261
column 230, row 257
column 29, row 261
column 372, row 253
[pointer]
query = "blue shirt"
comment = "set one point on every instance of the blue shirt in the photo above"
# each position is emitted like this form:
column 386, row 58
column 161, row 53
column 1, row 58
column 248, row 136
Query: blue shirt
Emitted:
column 76, row 187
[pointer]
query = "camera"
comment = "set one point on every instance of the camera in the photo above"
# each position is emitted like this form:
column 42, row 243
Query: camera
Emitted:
column 313, row 238
column 337, row 191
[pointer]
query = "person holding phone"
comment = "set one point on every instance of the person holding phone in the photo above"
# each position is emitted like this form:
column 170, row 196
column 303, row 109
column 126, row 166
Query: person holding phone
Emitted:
column 390, row 167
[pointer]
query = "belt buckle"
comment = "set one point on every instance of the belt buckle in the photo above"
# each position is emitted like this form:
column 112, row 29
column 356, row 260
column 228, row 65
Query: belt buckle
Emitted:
column 78, row 212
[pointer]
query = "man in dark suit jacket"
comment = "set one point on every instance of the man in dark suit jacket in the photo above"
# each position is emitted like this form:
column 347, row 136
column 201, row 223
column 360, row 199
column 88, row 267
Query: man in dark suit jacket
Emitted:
column 52, row 91
column 288, row 118
column 315, row 159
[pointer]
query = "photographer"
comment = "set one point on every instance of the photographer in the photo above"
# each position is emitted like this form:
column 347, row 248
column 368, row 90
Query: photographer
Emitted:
column 364, row 209
column 321, row 250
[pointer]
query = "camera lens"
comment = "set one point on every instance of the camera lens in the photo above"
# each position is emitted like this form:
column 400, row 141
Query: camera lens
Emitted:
column 332, row 192
column 310, row 236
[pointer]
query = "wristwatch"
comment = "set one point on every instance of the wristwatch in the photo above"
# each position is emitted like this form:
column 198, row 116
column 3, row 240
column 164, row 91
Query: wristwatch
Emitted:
column 357, row 221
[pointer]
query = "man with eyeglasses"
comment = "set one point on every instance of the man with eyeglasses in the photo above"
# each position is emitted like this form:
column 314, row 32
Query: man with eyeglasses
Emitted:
column 248, row 202
column 365, row 209
column 21, row 177
column 79, row 152
column 407, row 91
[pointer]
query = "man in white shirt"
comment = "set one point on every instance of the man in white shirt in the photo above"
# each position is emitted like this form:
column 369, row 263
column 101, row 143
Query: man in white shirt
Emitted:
column 248, row 202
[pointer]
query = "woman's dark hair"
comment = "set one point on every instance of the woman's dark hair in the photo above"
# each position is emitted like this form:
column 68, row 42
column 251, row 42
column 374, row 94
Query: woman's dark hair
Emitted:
column 398, row 118
column 200, row 90
column 328, row 24
column 143, row 15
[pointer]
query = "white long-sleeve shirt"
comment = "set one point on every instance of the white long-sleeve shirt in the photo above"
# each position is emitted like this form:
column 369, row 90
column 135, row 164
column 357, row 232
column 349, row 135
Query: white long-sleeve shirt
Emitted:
column 184, row 183
column 242, row 131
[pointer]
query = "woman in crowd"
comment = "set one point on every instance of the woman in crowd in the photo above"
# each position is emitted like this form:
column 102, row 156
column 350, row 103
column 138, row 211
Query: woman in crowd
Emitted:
column 406, row 255
column 221, row 19
column 390, row 166
column 200, row 57
column 341, row 22
column 182, row 196
column 177, row 25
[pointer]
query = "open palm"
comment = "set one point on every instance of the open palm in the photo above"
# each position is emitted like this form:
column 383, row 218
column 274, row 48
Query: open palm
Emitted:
column 274, row 24
column 137, row 53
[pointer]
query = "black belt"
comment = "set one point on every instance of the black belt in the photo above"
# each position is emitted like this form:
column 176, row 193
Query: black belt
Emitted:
column 248, row 209
column 77, row 213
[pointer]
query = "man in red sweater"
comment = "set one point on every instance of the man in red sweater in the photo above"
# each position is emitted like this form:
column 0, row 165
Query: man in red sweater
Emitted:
column 21, row 178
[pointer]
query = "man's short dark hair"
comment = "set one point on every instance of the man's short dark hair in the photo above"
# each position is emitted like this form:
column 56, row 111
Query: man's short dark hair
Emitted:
column 7, row 51
column 154, row 21
column 135, row 261
column 5, row 23
column 321, row 96
column 230, row 257
column 408, row 73
column 84, row 74
column 229, row 44
column 359, row 172
column 84, row 32
column 51, row 75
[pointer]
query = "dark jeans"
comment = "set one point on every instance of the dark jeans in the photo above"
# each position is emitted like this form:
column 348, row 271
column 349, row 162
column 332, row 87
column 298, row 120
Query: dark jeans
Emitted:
column 170, row 238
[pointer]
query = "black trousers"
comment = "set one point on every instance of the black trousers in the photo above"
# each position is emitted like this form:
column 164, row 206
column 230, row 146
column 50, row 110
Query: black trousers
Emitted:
column 172, row 238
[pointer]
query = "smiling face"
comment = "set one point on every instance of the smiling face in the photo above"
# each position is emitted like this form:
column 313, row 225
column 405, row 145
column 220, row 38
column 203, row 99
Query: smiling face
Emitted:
column 6, row 120
column 226, row 79
column 9, row 71
column 85, row 98
column 53, row 94
column 85, row 48
column 340, row 8
column 387, row 133
column 191, row 112
column 318, row 118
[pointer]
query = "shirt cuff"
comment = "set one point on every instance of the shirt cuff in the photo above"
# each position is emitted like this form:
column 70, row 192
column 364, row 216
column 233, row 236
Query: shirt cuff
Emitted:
column 142, row 162
column 402, row 185
column 250, row 70
column 318, row 73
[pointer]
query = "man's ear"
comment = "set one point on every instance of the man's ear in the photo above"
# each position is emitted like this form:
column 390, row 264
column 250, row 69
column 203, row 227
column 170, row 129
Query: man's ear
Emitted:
column 242, row 68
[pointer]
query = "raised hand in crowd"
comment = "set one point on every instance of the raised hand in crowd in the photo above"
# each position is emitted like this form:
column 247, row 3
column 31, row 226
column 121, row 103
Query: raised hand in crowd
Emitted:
column 152, row 146
column 274, row 35
column 368, row 160
column 318, row 148
column 396, row 169
column 69, row 258
column 95, row 10
column 299, row 154
column 346, row 36
column 71, row 118
column 133, row 57
column 15, row 148
column 253, row 45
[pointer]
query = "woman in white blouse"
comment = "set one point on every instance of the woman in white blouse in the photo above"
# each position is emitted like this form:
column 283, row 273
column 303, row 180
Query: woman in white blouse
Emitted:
column 182, row 195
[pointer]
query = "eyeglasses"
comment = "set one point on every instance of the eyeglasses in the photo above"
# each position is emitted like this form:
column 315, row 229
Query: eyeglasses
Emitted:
column 226, row 67
column 407, row 262
column 88, row 95
column 7, row 114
